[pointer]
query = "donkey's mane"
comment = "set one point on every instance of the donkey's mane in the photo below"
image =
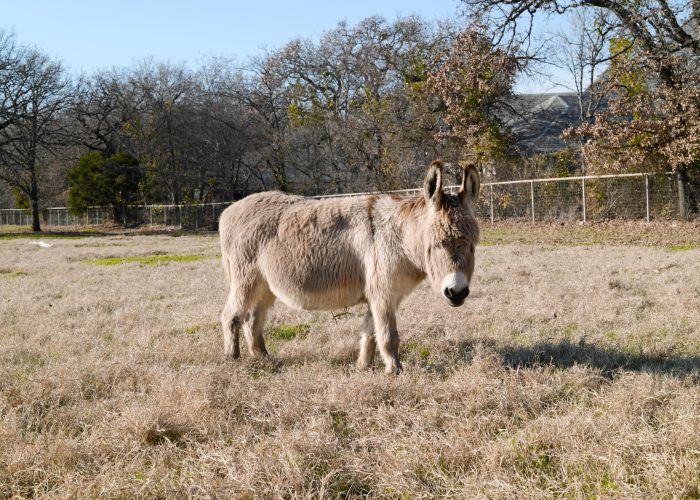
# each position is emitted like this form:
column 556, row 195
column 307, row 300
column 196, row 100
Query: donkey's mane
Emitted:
column 410, row 206
column 416, row 204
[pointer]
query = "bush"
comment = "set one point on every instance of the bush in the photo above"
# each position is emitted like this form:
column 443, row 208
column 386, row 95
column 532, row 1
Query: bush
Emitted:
column 99, row 180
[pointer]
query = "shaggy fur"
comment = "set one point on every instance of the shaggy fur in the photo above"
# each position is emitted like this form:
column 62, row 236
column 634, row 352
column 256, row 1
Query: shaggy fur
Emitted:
column 336, row 253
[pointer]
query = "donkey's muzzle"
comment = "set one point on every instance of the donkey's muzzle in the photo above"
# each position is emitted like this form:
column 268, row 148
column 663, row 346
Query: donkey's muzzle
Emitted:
column 456, row 297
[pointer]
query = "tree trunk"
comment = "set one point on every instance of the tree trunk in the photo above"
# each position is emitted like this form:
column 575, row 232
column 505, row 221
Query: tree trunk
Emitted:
column 36, row 221
column 34, row 203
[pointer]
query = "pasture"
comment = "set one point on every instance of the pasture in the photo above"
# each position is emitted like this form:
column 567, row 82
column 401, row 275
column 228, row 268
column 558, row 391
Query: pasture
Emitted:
column 573, row 369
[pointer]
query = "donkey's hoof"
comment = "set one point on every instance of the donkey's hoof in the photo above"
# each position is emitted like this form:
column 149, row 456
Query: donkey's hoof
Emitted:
column 394, row 369
column 363, row 366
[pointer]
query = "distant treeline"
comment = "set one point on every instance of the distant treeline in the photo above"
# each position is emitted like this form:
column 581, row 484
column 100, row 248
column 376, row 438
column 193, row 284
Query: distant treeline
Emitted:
column 355, row 111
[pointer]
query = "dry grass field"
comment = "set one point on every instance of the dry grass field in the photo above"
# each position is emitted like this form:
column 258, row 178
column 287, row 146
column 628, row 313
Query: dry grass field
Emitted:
column 572, row 370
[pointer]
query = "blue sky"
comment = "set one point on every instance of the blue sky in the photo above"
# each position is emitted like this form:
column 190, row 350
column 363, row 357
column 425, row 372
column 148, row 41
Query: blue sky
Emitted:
column 88, row 35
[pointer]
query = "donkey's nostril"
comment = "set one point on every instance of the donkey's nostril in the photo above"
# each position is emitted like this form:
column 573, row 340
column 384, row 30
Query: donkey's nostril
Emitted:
column 456, row 297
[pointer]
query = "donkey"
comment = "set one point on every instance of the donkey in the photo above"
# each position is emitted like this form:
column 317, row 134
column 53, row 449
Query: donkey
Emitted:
column 338, row 252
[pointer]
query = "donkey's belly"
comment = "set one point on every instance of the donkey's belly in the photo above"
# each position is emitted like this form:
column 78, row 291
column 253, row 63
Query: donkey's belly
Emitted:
column 318, row 301
column 316, row 284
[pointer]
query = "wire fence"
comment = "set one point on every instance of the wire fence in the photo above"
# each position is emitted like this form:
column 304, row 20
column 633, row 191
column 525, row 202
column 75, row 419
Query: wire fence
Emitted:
column 622, row 196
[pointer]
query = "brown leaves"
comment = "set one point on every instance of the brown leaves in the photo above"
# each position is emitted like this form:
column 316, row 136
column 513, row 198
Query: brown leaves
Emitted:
column 655, row 126
column 471, row 80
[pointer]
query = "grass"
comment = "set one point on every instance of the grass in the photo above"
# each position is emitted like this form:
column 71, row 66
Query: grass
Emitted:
column 657, row 233
column 573, row 370
column 288, row 332
column 144, row 259
column 25, row 232
column 48, row 235
column 684, row 247
column 9, row 273
column 200, row 329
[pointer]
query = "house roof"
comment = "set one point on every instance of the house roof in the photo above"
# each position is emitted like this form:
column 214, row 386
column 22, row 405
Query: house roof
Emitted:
column 536, row 121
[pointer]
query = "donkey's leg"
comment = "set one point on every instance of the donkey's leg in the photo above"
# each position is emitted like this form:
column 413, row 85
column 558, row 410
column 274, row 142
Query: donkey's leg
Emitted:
column 368, row 344
column 387, row 337
column 253, row 326
column 231, row 319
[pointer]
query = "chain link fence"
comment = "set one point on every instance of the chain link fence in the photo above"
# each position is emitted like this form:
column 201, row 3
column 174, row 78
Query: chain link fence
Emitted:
column 623, row 196
column 190, row 217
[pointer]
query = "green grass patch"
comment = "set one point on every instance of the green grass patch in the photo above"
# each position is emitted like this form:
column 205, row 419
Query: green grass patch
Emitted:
column 491, row 236
column 12, row 228
column 686, row 246
column 196, row 329
column 612, row 335
column 9, row 273
column 145, row 259
column 491, row 232
column 421, row 350
column 288, row 332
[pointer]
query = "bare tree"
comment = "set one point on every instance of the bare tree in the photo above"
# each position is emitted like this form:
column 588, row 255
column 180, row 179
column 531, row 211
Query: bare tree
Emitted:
column 222, row 132
column 158, row 126
column 106, row 106
column 583, row 51
column 337, row 114
column 12, row 95
column 660, row 27
column 39, row 97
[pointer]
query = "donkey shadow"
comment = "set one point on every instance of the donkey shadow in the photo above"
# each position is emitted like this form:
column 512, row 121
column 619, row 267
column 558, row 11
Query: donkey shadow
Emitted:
column 565, row 354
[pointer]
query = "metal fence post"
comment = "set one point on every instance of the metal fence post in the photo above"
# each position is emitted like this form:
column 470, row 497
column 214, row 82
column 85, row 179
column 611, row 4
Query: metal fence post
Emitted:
column 491, row 201
column 646, row 185
column 532, row 200
column 682, row 208
column 583, row 197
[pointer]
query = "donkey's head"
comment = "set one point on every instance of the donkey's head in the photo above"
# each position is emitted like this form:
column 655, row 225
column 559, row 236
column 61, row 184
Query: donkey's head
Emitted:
column 450, row 233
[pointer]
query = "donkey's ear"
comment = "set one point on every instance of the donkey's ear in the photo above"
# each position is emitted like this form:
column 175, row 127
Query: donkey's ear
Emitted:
column 433, row 185
column 469, row 190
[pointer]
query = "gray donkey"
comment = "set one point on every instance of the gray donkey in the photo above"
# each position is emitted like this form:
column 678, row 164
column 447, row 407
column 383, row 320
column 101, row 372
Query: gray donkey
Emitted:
column 338, row 252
